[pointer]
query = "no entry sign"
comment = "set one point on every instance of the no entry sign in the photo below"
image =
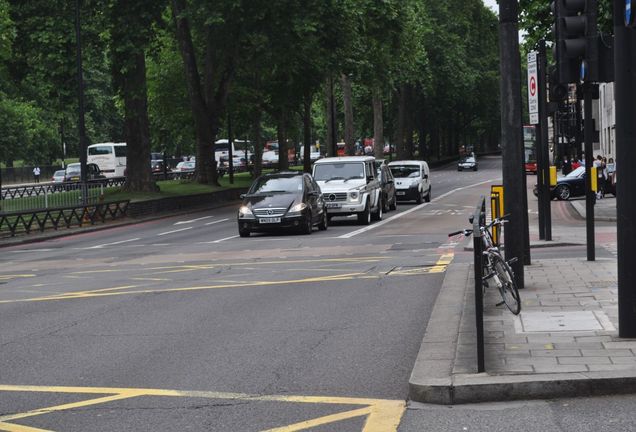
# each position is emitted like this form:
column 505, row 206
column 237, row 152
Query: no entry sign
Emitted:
column 533, row 88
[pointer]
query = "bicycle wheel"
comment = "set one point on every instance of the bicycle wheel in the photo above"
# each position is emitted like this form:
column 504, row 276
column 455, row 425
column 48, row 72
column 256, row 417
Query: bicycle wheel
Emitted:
column 508, row 288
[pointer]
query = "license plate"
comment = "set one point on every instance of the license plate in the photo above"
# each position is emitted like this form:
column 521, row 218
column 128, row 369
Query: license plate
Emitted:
column 401, row 193
column 269, row 220
column 333, row 205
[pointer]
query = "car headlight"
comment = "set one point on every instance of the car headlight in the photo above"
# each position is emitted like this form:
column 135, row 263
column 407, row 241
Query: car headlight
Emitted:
column 297, row 208
column 415, row 182
column 354, row 195
column 245, row 211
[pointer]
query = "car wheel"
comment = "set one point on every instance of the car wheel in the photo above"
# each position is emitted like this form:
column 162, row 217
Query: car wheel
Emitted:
column 377, row 216
column 364, row 217
column 459, row 169
column 428, row 195
column 244, row 232
column 419, row 197
column 324, row 223
column 393, row 205
column 563, row 192
column 307, row 225
column 475, row 169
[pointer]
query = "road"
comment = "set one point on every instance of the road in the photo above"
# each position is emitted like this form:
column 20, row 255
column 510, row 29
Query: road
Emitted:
column 179, row 324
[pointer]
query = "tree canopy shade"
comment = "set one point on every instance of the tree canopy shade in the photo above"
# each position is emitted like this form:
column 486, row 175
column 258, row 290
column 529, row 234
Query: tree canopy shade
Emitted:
column 168, row 75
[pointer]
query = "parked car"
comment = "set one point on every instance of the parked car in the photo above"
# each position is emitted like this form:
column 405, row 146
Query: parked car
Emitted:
column 412, row 181
column 286, row 200
column 469, row 162
column 387, row 184
column 73, row 173
column 156, row 165
column 569, row 186
column 58, row 176
column 350, row 186
column 185, row 167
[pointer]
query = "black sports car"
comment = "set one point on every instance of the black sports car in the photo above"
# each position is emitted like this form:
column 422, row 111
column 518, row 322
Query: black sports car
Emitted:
column 288, row 200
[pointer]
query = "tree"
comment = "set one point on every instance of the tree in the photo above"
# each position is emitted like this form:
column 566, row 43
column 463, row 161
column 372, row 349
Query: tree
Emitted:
column 130, row 32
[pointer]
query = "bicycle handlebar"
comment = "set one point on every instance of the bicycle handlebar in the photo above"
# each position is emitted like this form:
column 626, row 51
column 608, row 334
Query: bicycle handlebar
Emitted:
column 453, row 234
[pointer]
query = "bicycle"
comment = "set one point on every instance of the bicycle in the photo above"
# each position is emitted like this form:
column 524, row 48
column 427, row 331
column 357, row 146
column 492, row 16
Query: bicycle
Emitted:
column 496, row 270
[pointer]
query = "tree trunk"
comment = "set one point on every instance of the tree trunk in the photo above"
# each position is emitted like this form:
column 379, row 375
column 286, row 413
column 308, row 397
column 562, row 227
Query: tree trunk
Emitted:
column 378, row 125
column 349, row 132
column 136, row 125
column 258, row 143
column 329, row 141
column 204, row 112
column 307, row 133
column 283, row 158
column 401, row 153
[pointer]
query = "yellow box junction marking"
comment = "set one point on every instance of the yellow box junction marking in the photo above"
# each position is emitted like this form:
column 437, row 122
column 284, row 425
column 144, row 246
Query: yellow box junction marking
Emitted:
column 15, row 276
column 381, row 415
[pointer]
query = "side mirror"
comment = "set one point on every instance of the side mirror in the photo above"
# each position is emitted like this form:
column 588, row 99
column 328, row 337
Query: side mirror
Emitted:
column 370, row 179
column 425, row 176
column 242, row 196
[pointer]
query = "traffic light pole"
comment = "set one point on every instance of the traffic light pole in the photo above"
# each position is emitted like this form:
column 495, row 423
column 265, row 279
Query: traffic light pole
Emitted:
column 625, row 94
column 590, row 196
column 543, row 147
column 511, row 136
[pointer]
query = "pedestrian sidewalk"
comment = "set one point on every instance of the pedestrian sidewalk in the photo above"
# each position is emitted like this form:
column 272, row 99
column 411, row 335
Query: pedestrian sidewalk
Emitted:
column 564, row 343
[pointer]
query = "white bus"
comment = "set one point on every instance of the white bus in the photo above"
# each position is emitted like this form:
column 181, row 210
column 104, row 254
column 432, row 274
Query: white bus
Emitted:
column 110, row 157
column 222, row 147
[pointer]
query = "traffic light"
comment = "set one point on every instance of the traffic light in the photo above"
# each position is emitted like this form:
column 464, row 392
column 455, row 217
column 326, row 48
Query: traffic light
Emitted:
column 557, row 92
column 577, row 40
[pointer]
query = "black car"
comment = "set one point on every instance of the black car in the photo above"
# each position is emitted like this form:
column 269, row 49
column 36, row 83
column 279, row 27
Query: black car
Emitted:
column 287, row 200
column 73, row 173
column 387, row 184
column 570, row 186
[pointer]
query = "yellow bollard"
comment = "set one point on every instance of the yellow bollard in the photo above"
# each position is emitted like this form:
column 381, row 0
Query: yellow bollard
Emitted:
column 594, row 179
column 553, row 175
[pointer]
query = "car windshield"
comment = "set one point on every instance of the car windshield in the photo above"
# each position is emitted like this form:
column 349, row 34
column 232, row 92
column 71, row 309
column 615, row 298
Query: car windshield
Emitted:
column 577, row 172
column 402, row 171
column 73, row 169
column 58, row 173
column 468, row 160
column 339, row 171
column 269, row 185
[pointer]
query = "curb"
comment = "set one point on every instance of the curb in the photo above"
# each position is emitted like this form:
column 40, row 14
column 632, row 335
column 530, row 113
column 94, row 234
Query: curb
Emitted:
column 432, row 379
column 579, row 207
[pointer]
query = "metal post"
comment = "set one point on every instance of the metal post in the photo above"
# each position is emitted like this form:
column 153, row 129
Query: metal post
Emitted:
column 590, row 196
column 543, row 171
column 625, row 94
column 165, row 166
column 511, row 136
column 81, row 124
column 479, row 283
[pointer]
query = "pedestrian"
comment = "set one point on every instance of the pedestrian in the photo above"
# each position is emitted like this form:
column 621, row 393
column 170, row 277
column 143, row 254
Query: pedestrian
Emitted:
column 600, row 176
column 575, row 163
column 567, row 166
column 36, row 174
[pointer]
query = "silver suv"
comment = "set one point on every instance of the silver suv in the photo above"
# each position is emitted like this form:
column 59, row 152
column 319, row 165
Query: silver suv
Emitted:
column 350, row 185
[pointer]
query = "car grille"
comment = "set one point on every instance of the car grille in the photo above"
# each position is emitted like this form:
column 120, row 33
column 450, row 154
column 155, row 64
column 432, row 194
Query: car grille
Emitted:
column 337, row 196
column 269, row 212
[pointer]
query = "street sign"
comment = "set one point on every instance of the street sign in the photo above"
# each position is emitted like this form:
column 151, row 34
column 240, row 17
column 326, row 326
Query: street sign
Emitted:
column 533, row 88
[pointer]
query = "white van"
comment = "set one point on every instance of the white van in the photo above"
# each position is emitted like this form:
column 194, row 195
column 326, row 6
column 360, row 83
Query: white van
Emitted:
column 109, row 157
column 412, row 180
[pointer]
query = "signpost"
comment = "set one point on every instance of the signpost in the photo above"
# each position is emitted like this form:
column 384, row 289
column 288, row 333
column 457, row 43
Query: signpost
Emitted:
column 533, row 94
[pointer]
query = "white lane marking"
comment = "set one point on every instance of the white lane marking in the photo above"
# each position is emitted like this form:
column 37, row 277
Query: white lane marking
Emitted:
column 112, row 244
column 216, row 222
column 220, row 240
column 192, row 220
column 175, row 231
column 31, row 250
column 411, row 210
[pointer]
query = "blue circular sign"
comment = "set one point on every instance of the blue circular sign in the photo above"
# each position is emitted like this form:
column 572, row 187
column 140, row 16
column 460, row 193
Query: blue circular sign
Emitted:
column 628, row 12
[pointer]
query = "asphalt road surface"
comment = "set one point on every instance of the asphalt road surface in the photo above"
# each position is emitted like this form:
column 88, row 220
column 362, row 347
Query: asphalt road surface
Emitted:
column 179, row 324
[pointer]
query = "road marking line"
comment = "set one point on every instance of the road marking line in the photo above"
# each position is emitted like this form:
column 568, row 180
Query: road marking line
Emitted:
column 332, row 418
column 220, row 240
column 9, row 277
column 442, row 263
column 112, row 244
column 31, row 250
column 175, row 231
column 218, row 221
column 382, row 415
column 411, row 210
column 192, row 220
